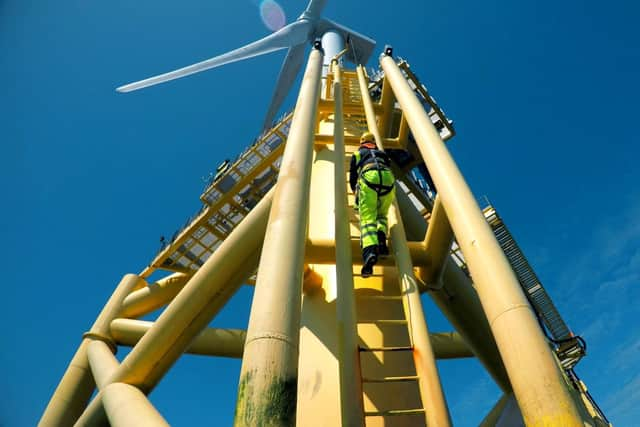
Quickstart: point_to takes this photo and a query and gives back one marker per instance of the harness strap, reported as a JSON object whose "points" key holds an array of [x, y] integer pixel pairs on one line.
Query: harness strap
{"points": [[373, 162], [380, 189]]}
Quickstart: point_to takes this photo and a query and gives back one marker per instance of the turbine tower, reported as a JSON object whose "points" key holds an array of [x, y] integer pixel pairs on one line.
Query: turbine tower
{"points": [[325, 346]]}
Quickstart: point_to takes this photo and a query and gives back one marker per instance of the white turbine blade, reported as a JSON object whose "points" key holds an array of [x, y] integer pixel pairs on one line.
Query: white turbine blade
{"points": [[314, 8], [288, 72], [293, 34]]}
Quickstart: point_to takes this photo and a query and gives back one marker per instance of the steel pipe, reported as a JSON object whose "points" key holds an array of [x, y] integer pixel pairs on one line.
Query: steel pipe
{"points": [[102, 361], [449, 345], [74, 391], [435, 405], [540, 389], [126, 406], [209, 342], [268, 377], [351, 406], [491, 419], [144, 301], [230, 342], [437, 243], [191, 310]]}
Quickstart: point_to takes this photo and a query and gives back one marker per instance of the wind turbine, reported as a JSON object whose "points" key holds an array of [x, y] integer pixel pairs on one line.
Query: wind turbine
{"points": [[294, 36]]}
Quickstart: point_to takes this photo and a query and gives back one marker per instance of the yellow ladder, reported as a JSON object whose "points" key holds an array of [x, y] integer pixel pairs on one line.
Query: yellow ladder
{"points": [[391, 392]]}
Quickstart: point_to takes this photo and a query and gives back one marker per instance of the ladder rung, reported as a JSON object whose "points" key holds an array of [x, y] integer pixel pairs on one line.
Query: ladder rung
{"points": [[380, 297], [385, 321], [394, 412], [391, 379], [401, 348]]}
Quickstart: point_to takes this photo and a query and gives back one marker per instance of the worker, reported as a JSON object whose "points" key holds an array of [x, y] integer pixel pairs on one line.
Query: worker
{"points": [[372, 181]]}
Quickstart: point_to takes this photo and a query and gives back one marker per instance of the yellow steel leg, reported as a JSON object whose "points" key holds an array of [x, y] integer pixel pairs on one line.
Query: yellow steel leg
{"points": [[191, 310], [457, 300], [537, 380], [268, 378], [77, 384], [102, 361], [352, 409], [126, 406]]}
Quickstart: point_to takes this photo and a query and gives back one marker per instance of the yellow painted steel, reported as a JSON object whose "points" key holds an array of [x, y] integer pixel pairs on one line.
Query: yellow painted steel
{"points": [[208, 218], [386, 102], [94, 415], [353, 140], [459, 302], [369, 110], [230, 342], [102, 361], [144, 301], [449, 345], [322, 251], [72, 394], [433, 400], [268, 377], [351, 406], [126, 406], [457, 299], [494, 415], [535, 376], [311, 312], [318, 396], [435, 405], [192, 309], [437, 244], [415, 224], [378, 299], [210, 342]]}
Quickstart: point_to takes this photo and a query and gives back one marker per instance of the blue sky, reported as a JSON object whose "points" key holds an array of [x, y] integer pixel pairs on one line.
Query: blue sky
{"points": [[543, 94]]}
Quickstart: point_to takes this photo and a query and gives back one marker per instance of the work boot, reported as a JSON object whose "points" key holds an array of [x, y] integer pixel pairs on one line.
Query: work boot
{"points": [[383, 249], [370, 256]]}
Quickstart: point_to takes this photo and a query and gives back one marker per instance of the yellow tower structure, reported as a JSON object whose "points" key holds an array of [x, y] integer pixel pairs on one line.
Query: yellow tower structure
{"points": [[324, 346]]}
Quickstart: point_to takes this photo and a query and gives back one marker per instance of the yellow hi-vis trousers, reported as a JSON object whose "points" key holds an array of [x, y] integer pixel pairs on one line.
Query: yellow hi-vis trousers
{"points": [[373, 208]]}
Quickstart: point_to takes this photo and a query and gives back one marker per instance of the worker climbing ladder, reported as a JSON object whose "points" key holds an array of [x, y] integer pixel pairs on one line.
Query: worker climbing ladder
{"points": [[325, 346]]}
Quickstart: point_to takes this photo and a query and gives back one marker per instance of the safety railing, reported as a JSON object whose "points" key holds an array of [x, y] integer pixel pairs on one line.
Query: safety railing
{"points": [[228, 197]]}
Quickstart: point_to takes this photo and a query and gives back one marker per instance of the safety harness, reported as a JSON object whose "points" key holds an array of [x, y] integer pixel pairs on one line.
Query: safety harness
{"points": [[373, 159]]}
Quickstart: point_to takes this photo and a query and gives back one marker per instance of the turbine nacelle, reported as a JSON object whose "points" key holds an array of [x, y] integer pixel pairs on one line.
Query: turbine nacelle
{"points": [[294, 36]]}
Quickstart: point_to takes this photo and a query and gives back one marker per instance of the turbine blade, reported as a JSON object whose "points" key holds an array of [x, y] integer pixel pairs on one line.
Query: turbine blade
{"points": [[288, 72], [293, 34], [314, 9]]}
